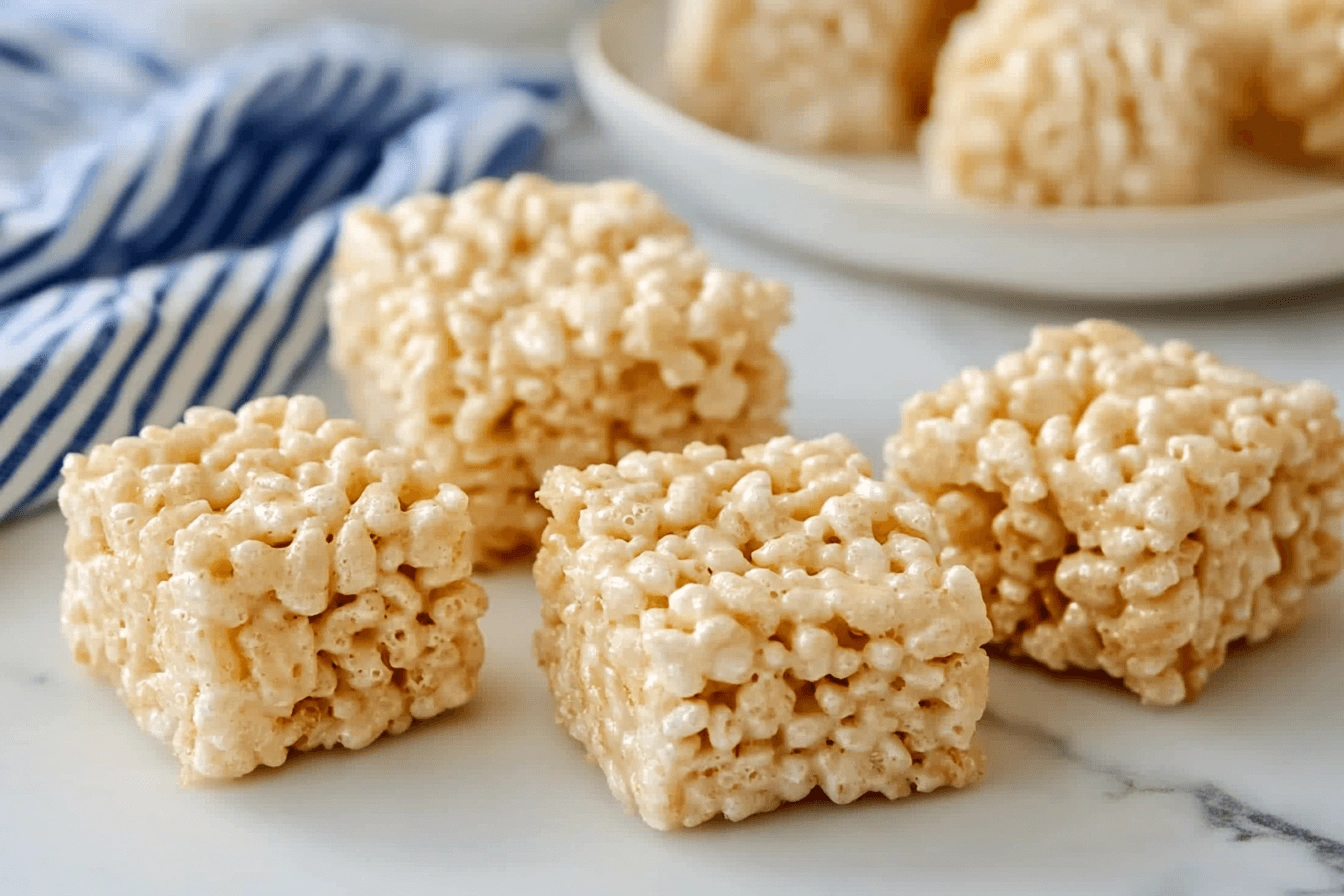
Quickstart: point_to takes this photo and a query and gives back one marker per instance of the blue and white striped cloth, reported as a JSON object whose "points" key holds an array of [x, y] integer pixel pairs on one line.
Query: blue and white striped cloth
{"points": [[174, 253]]}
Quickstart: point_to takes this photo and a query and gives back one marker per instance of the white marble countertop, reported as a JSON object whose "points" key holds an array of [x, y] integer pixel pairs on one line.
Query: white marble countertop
{"points": [[1086, 792]]}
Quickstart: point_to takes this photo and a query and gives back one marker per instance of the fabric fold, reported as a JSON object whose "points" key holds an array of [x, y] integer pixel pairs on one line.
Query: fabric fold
{"points": [[178, 257]]}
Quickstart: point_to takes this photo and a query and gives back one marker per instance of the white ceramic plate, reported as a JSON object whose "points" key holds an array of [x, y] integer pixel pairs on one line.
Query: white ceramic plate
{"points": [[1271, 227]]}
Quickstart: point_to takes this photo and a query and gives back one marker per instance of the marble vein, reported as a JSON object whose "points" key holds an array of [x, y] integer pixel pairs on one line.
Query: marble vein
{"points": [[1220, 810]]}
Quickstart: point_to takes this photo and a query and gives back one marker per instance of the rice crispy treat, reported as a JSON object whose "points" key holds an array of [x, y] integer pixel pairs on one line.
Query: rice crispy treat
{"points": [[1077, 103], [724, 636], [268, 581], [518, 325], [809, 75], [1303, 77], [1237, 43], [1128, 507]]}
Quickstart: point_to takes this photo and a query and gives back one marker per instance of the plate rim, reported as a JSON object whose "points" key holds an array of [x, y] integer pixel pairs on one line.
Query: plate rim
{"points": [[594, 67]]}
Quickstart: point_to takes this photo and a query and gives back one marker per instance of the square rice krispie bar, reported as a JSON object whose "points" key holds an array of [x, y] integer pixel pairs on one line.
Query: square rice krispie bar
{"points": [[1079, 103], [809, 75], [1129, 507], [724, 636], [268, 581], [515, 326]]}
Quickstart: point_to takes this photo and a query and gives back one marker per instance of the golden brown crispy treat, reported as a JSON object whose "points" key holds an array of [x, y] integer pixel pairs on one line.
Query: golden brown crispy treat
{"points": [[724, 636], [1236, 42], [1128, 507], [1302, 79], [809, 75], [515, 326], [1077, 103], [268, 581]]}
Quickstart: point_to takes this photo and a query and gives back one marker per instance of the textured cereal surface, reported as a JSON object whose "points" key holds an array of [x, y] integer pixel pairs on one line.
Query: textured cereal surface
{"points": [[809, 75], [1303, 76], [268, 581], [518, 325], [1077, 103], [724, 636], [1129, 507], [1237, 43]]}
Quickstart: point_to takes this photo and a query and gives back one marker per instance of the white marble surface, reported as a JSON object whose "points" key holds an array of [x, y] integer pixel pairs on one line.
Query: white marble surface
{"points": [[1087, 791]]}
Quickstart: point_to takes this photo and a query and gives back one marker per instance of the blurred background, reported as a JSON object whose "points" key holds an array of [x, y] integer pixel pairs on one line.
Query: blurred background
{"points": [[196, 28]]}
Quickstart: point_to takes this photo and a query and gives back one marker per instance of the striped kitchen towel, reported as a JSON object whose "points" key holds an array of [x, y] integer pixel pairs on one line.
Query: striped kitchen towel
{"points": [[172, 253]]}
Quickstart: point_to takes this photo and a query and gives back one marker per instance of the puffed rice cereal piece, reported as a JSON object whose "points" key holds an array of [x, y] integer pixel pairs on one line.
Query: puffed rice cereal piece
{"points": [[1128, 507], [809, 75], [1303, 76], [268, 581], [1076, 103], [724, 636], [515, 326]]}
